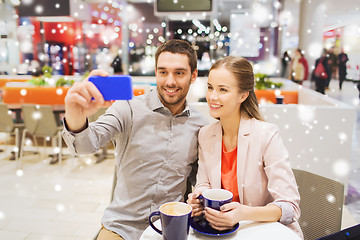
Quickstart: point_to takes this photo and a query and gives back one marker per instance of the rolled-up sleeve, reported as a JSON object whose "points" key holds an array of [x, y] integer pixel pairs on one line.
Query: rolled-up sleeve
{"points": [[100, 132], [287, 212], [72, 139]]}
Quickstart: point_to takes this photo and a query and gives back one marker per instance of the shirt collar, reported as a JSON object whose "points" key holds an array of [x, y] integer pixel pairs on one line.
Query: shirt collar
{"points": [[155, 104]]}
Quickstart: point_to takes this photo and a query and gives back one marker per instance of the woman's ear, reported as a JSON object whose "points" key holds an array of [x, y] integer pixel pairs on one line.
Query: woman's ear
{"points": [[243, 96]]}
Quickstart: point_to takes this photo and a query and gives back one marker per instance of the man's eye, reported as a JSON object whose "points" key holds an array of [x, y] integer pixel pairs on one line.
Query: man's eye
{"points": [[179, 73]]}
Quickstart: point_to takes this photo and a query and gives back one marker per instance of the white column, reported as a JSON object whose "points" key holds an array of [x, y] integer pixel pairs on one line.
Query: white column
{"points": [[7, 14], [125, 39], [312, 21]]}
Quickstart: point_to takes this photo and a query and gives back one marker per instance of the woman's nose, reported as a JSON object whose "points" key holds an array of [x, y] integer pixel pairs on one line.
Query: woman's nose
{"points": [[213, 95]]}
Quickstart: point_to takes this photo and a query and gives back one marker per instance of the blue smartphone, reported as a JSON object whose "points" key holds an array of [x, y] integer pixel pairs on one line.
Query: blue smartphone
{"points": [[115, 87]]}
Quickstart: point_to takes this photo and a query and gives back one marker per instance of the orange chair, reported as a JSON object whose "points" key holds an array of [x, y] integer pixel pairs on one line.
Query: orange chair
{"points": [[138, 91], [290, 97]]}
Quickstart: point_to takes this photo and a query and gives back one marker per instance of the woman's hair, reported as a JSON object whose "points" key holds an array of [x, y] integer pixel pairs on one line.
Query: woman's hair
{"points": [[243, 72], [300, 52], [180, 47]]}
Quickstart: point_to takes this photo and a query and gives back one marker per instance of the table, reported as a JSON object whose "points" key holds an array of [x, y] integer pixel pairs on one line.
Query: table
{"points": [[247, 230], [58, 110]]}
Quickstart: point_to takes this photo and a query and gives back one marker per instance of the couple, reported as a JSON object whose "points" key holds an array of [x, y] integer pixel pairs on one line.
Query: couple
{"points": [[156, 138]]}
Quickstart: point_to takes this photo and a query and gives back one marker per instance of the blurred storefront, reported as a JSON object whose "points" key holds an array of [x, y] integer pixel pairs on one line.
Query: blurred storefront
{"points": [[75, 36]]}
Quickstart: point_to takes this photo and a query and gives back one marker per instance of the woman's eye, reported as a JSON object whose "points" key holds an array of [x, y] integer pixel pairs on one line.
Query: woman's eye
{"points": [[223, 90], [209, 87]]}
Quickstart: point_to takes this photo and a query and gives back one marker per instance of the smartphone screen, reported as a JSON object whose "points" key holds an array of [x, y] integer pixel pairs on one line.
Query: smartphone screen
{"points": [[115, 87]]}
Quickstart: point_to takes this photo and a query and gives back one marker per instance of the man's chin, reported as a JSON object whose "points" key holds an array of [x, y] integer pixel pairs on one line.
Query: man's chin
{"points": [[171, 100]]}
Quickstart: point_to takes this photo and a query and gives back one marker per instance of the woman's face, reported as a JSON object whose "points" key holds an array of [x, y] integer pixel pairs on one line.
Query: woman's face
{"points": [[223, 95]]}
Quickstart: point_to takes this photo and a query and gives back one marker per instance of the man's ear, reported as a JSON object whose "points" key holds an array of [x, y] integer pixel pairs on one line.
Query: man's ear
{"points": [[194, 76]]}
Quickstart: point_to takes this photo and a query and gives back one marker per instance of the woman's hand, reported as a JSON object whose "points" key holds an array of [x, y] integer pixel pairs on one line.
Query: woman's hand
{"points": [[230, 214], [194, 202]]}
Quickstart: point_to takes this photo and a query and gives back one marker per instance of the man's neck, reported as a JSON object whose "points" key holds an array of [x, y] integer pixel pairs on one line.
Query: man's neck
{"points": [[176, 109]]}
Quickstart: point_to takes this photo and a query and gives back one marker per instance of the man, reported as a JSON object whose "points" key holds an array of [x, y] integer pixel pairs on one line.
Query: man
{"points": [[332, 64], [155, 135], [343, 58]]}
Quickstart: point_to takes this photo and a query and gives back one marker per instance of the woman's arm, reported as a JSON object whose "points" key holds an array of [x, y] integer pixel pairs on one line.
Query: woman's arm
{"points": [[202, 181], [202, 178], [235, 212], [281, 180]]}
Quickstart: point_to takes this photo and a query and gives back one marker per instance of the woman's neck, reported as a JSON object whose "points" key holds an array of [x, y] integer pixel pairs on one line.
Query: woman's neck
{"points": [[230, 128]]}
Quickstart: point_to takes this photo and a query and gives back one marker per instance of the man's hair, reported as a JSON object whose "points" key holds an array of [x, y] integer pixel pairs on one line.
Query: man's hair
{"points": [[180, 47]]}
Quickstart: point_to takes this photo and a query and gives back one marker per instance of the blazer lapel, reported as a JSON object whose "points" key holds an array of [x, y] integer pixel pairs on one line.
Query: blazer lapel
{"points": [[216, 168], [243, 147]]}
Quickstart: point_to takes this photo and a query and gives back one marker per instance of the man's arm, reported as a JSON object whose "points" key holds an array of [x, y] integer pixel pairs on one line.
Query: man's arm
{"points": [[82, 100]]}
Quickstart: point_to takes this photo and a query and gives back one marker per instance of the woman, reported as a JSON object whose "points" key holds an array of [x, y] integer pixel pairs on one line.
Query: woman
{"points": [[299, 67], [243, 154]]}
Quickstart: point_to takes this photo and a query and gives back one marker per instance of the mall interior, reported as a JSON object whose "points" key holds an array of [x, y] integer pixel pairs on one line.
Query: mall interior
{"points": [[45, 46]]}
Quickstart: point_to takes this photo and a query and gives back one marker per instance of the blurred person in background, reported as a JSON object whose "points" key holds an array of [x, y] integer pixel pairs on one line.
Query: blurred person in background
{"points": [[333, 65], [321, 81], [285, 65], [299, 68], [34, 68], [117, 65], [23, 68], [343, 58], [104, 60]]}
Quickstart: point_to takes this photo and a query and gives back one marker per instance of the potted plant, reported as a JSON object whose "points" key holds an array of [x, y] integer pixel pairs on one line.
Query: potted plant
{"points": [[263, 82]]}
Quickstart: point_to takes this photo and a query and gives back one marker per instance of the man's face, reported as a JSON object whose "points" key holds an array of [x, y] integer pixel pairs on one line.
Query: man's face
{"points": [[173, 79]]}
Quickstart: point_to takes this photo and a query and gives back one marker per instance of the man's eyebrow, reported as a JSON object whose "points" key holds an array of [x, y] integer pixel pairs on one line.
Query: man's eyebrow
{"points": [[178, 69]]}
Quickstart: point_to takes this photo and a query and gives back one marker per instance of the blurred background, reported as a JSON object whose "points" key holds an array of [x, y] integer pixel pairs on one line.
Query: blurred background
{"points": [[75, 36]]}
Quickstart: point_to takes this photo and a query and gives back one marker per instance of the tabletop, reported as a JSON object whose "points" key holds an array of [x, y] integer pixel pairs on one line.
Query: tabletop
{"points": [[247, 230]]}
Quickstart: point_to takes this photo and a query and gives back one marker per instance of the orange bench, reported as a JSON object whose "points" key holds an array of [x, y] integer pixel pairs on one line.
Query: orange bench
{"points": [[35, 95], [290, 97], [4, 81], [41, 95]]}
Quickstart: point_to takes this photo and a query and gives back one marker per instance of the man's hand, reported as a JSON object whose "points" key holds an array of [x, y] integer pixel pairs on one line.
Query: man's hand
{"points": [[79, 102]]}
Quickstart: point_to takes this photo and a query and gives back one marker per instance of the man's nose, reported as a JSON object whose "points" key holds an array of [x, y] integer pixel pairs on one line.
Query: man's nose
{"points": [[170, 80]]}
